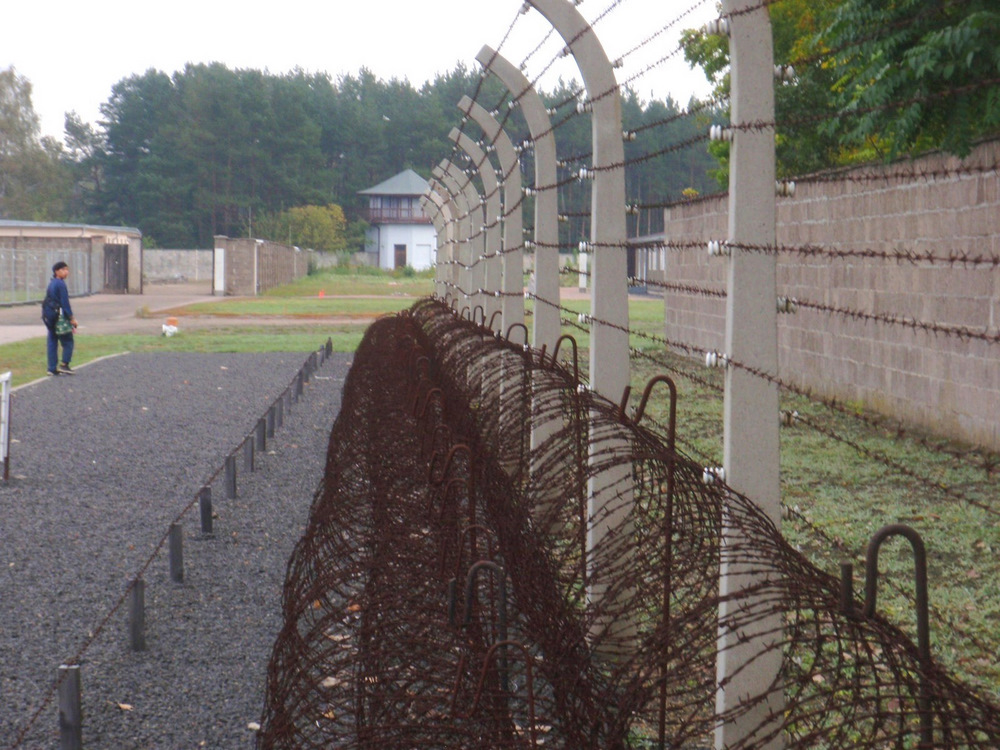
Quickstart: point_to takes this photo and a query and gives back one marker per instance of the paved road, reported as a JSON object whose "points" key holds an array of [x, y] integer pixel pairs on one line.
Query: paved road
{"points": [[107, 313]]}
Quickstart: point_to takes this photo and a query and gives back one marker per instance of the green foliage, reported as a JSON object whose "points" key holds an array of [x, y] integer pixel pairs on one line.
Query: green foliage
{"points": [[34, 184], [930, 80], [212, 151], [195, 155], [208, 150], [313, 227], [872, 80], [801, 145], [318, 227]]}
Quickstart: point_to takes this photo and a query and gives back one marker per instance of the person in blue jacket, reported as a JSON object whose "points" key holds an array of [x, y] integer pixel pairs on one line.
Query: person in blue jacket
{"points": [[56, 299]]}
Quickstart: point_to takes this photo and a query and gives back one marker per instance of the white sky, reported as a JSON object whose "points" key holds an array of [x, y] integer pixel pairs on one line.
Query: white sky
{"points": [[73, 52]]}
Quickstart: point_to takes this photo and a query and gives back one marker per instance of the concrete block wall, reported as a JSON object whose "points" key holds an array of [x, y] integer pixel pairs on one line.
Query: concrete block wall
{"points": [[254, 266], [948, 384], [280, 264], [176, 266]]}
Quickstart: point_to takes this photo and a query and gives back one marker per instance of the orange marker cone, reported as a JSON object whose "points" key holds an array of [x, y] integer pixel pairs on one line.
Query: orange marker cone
{"points": [[322, 294]]}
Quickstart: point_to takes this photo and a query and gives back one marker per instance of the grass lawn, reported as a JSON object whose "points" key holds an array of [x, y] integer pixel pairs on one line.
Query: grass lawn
{"points": [[300, 307], [27, 358], [353, 281], [841, 479]]}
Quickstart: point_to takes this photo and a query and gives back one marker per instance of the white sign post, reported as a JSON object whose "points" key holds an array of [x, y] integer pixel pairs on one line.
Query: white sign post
{"points": [[5, 380]]}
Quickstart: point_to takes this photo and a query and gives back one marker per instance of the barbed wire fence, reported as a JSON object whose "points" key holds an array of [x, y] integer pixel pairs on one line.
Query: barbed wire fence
{"points": [[439, 598], [616, 564]]}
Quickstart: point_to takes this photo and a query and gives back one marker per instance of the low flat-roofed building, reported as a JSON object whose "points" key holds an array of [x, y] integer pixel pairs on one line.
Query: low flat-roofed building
{"points": [[103, 258]]}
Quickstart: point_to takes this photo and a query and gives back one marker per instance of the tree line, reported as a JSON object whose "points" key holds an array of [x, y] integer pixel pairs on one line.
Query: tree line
{"points": [[210, 150]]}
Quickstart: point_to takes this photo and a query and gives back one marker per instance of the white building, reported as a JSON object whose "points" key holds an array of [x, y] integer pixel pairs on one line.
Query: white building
{"points": [[400, 233]]}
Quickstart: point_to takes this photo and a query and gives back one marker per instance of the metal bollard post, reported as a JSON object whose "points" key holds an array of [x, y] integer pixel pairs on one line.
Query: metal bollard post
{"points": [[261, 432], [279, 413], [230, 477], [270, 421], [137, 616], [70, 713], [176, 545], [248, 454], [205, 504]]}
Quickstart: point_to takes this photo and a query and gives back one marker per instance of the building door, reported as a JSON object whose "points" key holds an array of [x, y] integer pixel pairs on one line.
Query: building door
{"points": [[400, 255], [116, 269]]}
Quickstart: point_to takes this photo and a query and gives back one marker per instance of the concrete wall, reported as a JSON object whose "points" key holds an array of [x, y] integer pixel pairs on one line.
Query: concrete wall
{"points": [[176, 266], [254, 266], [330, 260], [135, 265], [946, 383]]}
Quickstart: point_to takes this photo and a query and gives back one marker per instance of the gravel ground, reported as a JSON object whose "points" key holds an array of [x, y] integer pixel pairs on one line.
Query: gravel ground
{"points": [[102, 464]]}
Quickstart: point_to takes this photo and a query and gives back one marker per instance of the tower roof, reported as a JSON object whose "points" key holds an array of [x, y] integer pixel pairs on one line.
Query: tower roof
{"points": [[406, 182]]}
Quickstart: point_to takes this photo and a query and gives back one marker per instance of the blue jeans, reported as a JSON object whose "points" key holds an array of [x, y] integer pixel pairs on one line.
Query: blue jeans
{"points": [[53, 348]]}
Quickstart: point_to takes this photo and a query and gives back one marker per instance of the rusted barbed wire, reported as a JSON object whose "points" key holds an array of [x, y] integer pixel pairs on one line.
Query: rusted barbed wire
{"points": [[952, 493], [433, 469], [962, 333]]}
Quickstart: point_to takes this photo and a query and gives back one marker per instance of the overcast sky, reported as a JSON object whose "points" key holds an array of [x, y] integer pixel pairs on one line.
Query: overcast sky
{"points": [[74, 52]]}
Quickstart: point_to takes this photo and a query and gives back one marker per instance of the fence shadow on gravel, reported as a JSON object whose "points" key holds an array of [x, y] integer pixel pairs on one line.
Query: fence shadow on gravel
{"points": [[453, 589]]}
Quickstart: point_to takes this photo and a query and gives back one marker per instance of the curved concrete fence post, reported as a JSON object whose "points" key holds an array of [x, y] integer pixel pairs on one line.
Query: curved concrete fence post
{"points": [[455, 181], [609, 353], [486, 276], [460, 223], [512, 240], [435, 206], [546, 323], [749, 637], [472, 222], [515, 415], [444, 273], [545, 320], [610, 490]]}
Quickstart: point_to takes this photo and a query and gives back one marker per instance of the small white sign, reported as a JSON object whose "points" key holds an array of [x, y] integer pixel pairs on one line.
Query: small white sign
{"points": [[5, 381]]}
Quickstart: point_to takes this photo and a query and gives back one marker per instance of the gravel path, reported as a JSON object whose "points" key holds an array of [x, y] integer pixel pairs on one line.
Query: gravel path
{"points": [[102, 464]]}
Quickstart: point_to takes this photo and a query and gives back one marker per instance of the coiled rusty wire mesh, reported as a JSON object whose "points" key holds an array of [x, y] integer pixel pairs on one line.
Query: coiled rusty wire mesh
{"points": [[453, 589]]}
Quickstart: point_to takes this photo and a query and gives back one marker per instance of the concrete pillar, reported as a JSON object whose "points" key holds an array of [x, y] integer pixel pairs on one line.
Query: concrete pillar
{"points": [[447, 254], [512, 241], [469, 220], [439, 209], [487, 275], [749, 656], [545, 320], [459, 274], [610, 489]]}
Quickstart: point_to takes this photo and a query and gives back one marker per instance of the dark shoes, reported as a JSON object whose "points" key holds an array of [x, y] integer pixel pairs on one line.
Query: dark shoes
{"points": [[65, 369], [52, 373]]}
